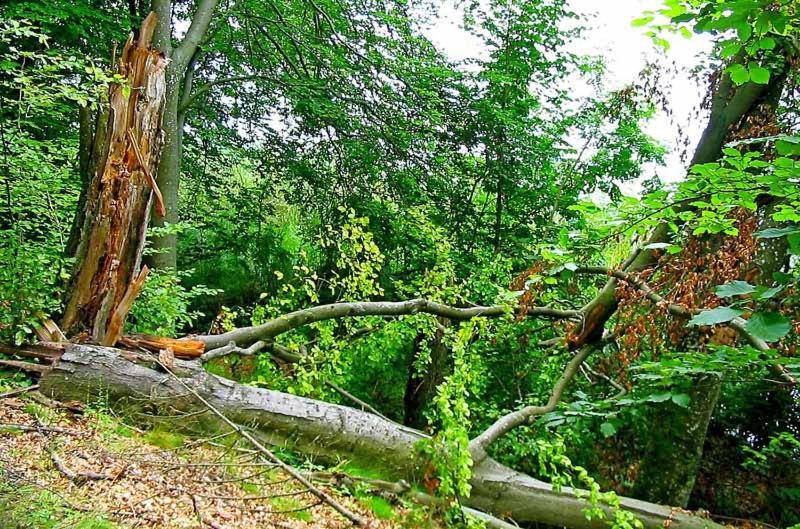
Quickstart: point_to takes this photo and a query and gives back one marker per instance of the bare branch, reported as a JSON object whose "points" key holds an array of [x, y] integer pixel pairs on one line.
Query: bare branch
{"points": [[293, 320], [197, 29]]}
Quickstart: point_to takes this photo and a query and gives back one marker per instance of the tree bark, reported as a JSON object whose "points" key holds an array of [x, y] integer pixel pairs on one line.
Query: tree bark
{"points": [[677, 436], [114, 216], [132, 382], [422, 385]]}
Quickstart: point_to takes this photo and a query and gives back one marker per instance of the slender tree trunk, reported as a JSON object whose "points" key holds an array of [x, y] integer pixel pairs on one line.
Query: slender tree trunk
{"points": [[165, 246], [132, 382], [422, 385], [179, 74], [113, 219]]}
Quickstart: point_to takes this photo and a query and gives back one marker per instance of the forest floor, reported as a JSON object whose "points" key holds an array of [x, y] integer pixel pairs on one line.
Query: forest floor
{"points": [[89, 470]]}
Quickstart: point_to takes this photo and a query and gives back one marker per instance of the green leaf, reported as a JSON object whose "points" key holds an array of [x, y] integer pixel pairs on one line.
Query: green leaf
{"points": [[730, 49], [759, 75], [681, 399], [774, 233], [744, 30], [734, 288], [767, 43], [739, 74], [608, 429], [659, 397], [733, 153], [767, 293], [769, 326], [715, 316], [643, 21]]}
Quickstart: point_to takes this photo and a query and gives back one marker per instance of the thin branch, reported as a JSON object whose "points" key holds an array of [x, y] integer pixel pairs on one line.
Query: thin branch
{"points": [[283, 353], [26, 366], [364, 405], [18, 391], [39, 429], [79, 478]]}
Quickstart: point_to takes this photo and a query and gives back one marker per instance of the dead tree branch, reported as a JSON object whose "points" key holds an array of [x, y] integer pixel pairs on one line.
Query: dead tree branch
{"points": [[294, 320]]}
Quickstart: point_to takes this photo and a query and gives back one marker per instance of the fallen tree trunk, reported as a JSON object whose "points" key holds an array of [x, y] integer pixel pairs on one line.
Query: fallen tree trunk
{"points": [[132, 382]]}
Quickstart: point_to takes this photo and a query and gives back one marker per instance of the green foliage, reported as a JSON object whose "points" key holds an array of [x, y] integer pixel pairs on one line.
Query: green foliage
{"points": [[556, 465], [356, 162], [163, 308], [39, 184], [448, 450], [43, 510], [751, 33], [380, 507]]}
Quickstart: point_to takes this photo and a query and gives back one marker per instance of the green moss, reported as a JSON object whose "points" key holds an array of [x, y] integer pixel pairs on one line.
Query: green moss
{"points": [[380, 507], [290, 507], [43, 510], [363, 472], [164, 439]]}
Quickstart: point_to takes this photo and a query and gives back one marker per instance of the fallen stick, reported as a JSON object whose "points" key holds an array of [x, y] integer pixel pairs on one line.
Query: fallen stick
{"points": [[79, 478], [39, 429], [18, 391], [25, 366]]}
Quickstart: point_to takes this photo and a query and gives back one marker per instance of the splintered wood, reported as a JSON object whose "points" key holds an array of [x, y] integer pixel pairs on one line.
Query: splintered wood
{"points": [[108, 272]]}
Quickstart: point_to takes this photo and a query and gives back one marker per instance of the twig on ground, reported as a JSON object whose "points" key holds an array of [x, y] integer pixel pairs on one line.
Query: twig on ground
{"points": [[39, 429], [79, 478], [18, 391]]}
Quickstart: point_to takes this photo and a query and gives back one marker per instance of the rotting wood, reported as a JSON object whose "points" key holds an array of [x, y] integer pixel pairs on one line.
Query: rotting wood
{"points": [[108, 271], [183, 348]]}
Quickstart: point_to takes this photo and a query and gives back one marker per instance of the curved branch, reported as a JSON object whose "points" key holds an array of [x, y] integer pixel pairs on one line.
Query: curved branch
{"points": [[526, 415], [293, 320], [197, 29]]}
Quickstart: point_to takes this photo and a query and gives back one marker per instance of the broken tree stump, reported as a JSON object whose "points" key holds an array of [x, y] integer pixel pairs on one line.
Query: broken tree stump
{"points": [[108, 273]]}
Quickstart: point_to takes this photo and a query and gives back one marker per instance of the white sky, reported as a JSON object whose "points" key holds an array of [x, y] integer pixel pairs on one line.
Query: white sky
{"points": [[626, 50]]}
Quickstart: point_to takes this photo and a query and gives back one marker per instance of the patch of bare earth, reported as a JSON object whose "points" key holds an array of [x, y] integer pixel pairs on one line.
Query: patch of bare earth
{"points": [[95, 466]]}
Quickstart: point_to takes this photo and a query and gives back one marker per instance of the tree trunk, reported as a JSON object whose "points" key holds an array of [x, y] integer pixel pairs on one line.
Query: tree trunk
{"points": [[113, 220], [677, 437], [166, 246], [421, 386], [132, 382]]}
